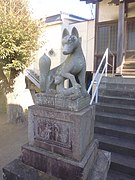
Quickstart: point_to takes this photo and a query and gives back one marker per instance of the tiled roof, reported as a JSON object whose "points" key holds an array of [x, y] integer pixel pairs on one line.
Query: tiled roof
{"points": [[59, 17], [91, 1], [109, 1], [53, 18]]}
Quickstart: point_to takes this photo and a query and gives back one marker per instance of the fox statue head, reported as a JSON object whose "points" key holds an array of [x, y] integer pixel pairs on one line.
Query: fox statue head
{"points": [[70, 42]]}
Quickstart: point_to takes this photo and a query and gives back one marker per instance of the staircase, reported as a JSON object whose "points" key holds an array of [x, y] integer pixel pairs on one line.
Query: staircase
{"points": [[115, 125], [129, 67]]}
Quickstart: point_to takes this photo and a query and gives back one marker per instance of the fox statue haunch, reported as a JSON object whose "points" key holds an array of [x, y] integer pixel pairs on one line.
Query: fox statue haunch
{"points": [[74, 66]]}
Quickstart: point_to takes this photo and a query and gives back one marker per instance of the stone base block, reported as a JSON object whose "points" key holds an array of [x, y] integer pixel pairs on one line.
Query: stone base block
{"points": [[63, 132], [59, 166], [16, 170], [61, 102], [101, 166], [20, 171]]}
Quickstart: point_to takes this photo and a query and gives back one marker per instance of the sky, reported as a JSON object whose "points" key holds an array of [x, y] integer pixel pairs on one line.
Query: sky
{"points": [[43, 8]]}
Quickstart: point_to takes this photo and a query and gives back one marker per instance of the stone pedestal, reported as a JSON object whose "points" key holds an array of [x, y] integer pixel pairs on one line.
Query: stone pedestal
{"points": [[61, 102], [61, 142]]}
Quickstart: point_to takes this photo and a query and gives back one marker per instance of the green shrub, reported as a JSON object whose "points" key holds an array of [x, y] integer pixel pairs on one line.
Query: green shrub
{"points": [[18, 39]]}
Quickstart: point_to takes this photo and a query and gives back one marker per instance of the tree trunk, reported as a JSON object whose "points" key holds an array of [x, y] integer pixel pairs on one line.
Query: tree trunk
{"points": [[4, 79]]}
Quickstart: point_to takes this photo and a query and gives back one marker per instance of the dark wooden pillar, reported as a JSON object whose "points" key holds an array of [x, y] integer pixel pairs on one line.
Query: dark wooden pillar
{"points": [[96, 36], [120, 38]]}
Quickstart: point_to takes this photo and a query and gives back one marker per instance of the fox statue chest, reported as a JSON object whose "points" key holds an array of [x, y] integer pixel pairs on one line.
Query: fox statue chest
{"points": [[73, 64]]}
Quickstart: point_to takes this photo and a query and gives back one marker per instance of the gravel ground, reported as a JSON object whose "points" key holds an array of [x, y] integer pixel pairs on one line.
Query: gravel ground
{"points": [[12, 137]]}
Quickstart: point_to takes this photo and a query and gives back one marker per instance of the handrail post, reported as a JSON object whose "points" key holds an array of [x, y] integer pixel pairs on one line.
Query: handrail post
{"points": [[113, 65], [98, 76], [106, 63], [96, 96]]}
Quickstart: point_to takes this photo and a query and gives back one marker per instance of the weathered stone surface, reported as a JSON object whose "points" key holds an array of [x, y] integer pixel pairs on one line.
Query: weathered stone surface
{"points": [[101, 166], [60, 166], [45, 99], [72, 105], [16, 170], [73, 67], [98, 171], [65, 132], [62, 102], [61, 145]]}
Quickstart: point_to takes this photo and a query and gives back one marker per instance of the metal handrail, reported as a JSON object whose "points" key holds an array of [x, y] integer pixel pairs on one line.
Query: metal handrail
{"points": [[98, 76], [30, 74]]}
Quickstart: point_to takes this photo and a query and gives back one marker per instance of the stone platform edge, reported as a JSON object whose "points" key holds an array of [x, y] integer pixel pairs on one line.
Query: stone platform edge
{"points": [[59, 166], [62, 102], [20, 171]]}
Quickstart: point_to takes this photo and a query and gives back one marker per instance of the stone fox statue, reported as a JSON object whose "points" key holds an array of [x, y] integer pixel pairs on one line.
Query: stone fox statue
{"points": [[74, 66]]}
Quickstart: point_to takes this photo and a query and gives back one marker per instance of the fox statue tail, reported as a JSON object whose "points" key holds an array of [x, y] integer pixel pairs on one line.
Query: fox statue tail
{"points": [[44, 67]]}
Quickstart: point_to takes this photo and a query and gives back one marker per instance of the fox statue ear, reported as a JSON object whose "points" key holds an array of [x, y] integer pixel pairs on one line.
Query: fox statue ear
{"points": [[75, 32], [65, 33]]}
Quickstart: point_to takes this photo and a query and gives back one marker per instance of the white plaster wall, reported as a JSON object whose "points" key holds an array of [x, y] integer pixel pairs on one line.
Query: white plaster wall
{"points": [[90, 45], [107, 12], [52, 37], [67, 26], [20, 95], [86, 31], [110, 12], [131, 10]]}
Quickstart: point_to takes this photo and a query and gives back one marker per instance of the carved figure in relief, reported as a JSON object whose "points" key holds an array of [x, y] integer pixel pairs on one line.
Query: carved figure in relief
{"points": [[53, 132], [74, 66], [65, 135], [56, 132], [45, 131]]}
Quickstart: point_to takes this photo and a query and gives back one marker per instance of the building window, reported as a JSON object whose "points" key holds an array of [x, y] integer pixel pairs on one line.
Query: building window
{"points": [[107, 38], [131, 35], [102, 43]]}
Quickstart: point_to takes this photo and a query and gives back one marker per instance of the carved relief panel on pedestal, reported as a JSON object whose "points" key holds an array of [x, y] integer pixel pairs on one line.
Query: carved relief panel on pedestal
{"points": [[50, 131]]}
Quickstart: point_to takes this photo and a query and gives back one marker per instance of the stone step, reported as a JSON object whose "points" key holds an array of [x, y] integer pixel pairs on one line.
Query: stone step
{"points": [[127, 93], [117, 100], [116, 119], [115, 130], [125, 164], [128, 70], [118, 80], [116, 175], [115, 123], [119, 86], [117, 145], [17, 170], [115, 108], [128, 74], [129, 66], [129, 60]]}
